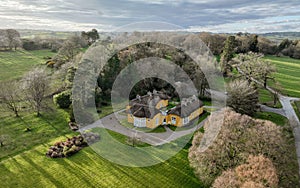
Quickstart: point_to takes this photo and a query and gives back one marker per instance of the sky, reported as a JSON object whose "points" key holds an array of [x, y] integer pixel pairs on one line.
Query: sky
{"points": [[218, 16]]}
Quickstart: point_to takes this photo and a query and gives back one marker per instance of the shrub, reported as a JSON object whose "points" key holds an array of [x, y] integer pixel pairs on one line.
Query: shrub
{"points": [[239, 137], [63, 99], [72, 145], [257, 172]]}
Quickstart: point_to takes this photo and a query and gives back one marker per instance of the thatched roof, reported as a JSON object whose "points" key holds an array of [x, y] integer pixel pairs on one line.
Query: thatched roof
{"points": [[186, 107]]}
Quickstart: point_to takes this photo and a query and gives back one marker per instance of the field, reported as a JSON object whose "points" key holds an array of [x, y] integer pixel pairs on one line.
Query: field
{"points": [[275, 118], [87, 169], [288, 74], [42, 128], [15, 63]]}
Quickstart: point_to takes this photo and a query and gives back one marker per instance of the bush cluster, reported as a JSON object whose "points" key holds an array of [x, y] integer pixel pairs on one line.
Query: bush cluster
{"points": [[63, 99], [72, 145]]}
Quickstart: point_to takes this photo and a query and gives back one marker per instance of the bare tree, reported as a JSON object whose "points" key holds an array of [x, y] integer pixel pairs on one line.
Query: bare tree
{"points": [[10, 96], [13, 37], [66, 53], [36, 86], [242, 97], [253, 66]]}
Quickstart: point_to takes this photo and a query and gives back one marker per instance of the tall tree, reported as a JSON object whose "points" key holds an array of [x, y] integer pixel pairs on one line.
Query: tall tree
{"points": [[10, 96], [13, 37], [227, 54], [36, 86], [253, 43]]}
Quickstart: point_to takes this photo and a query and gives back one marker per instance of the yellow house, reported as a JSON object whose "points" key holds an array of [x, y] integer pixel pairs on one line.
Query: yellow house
{"points": [[148, 111], [184, 113]]}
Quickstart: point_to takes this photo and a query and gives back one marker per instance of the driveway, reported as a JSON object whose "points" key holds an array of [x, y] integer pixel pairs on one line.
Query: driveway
{"points": [[112, 123]]}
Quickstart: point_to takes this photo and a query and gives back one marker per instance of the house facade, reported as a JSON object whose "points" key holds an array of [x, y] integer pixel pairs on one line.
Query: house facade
{"points": [[151, 111]]}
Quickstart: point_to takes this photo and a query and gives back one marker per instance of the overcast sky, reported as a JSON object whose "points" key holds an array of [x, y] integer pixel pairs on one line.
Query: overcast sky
{"points": [[193, 15]]}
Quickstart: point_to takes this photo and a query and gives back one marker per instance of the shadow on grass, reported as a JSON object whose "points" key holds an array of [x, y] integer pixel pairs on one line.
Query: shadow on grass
{"points": [[45, 174]]}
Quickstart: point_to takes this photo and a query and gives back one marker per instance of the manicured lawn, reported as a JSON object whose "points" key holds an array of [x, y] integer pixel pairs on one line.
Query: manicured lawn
{"points": [[87, 169], [15, 63], [52, 124], [288, 71], [267, 98], [275, 118]]}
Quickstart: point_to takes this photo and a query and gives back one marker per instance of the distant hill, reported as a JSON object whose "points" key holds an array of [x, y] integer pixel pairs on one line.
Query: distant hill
{"points": [[279, 36]]}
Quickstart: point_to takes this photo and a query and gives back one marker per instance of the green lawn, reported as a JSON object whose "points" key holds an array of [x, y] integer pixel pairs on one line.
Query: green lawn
{"points": [[275, 118], [87, 169], [267, 98], [15, 63], [52, 124], [288, 74]]}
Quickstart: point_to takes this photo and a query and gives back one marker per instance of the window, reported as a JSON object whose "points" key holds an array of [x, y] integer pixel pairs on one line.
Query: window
{"points": [[140, 122], [173, 120], [157, 121], [186, 120]]}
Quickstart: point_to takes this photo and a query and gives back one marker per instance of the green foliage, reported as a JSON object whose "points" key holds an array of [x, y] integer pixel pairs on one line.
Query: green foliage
{"points": [[63, 99], [253, 43], [228, 54]]}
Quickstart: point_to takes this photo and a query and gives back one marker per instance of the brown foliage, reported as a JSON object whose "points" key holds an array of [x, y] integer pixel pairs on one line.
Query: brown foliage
{"points": [[239, 137], [257, 172]]}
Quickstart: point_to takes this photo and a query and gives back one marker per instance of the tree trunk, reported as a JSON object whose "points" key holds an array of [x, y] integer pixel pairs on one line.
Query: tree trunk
{"points": [[1, 144]]}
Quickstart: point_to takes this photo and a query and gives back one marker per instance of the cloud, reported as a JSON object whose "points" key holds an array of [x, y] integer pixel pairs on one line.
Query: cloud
{"points": [[193, 15]]}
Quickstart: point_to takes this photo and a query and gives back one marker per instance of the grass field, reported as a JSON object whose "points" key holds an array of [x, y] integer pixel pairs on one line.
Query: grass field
{"points": [[288, 74], [87, 169], [275, 118], [52, 124], [267, 98], [15, 63]]}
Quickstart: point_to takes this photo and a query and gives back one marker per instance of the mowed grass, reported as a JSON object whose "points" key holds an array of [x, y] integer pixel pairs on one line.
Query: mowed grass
{"points": [[288, 74], [275, 118], [14, 64], [87, 169], [267, 98], [51, 124]]}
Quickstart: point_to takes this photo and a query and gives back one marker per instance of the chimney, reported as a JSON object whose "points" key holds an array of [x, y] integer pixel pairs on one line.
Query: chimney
{"points": [[138, 97]]}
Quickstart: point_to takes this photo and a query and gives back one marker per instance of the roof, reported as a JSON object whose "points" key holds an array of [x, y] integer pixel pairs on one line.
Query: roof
{"points": [[150, 99], [143, 111], [186, 107]]}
